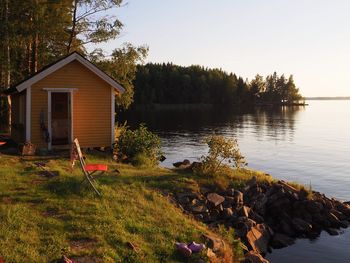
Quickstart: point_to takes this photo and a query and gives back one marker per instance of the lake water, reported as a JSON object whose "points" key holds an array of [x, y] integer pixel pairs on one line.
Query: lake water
{"points": [[309, 145]]}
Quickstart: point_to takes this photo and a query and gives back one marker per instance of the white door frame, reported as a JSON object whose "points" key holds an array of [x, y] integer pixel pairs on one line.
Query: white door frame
{"points": [[49, 113]]}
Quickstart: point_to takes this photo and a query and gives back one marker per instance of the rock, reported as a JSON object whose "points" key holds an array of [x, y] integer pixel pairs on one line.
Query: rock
{"points": [[280, 240], [229, 202], [258, 238], [243, 225], [286, 228], [227, 213], [230, 192], [244, 211], [314, 207], [256, 217], [253, 257], [344, 223], [211, 255], [184, 200], [185, 162], [238, 197], [214, 243], [333, 219], [301, 225], [199, 209], [332, 231], [215, 199]]}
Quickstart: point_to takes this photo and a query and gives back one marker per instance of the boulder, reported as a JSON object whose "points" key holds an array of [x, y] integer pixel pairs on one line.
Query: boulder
{"points": [[280, 240], [214, 243], [314, 207], [227, 213], [332, 231], [238, 198], [198, 209], [253, 257], [214, 199], [244, 211], [301, 226], [230, 192], [258, 238]]}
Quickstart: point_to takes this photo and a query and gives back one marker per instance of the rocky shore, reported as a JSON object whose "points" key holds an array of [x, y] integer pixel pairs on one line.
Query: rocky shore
{"points": [[267, 215]]}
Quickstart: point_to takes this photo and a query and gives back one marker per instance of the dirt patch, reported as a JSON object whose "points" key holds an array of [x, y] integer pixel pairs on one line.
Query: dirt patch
{"points": [[82, 244], [37, 181], [48, 174], [7, 200]]}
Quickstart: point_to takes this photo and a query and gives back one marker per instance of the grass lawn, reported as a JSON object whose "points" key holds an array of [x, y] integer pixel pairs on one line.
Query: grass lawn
{"points": [[43, 218]]}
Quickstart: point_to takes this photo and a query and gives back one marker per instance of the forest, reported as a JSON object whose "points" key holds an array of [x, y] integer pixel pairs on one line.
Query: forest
{"points": [[172, 84]]}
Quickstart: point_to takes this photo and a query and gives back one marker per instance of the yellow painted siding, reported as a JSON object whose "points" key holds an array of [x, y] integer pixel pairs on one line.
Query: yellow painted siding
{"points": [[91, 105]]}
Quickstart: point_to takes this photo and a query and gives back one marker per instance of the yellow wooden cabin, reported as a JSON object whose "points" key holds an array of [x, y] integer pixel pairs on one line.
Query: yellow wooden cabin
{"points": [[68, 99]]}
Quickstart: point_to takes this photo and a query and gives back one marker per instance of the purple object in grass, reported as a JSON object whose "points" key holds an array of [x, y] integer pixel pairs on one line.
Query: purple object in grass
{"points": [[184, 250], [196, 248]]}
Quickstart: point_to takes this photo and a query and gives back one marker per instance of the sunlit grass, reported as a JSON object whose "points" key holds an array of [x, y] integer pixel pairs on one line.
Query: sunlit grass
{"points": [[42, 218]]}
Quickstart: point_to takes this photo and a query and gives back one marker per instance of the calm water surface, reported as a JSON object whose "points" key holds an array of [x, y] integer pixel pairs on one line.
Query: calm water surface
{"points": [[308, 145]]}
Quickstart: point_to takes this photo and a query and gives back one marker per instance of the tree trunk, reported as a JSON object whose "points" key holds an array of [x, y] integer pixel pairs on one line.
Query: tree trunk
{"points": [[8, 65], [74, 22], [34, 62]]}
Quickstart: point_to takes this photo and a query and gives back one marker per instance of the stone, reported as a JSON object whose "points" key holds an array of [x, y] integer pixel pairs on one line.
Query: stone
{"points": [[332, 231], [256, 217], [227, 213], [214, 243], [301, 225], [344, 223], [230, 192], [244, 211], [286, 228], [258, 238], [229, 202], [215, 199], [238, 197], [314, 207], [199, 209], [280, 240], [253, 257]]}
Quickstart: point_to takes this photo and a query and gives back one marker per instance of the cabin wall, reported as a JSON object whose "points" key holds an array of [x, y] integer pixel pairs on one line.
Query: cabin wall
{"points": [[18, 117], [91, 105]]}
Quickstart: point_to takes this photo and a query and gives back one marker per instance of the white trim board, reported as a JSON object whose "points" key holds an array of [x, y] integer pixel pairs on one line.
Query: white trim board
{"points": [[49, 112], [74, 56]]}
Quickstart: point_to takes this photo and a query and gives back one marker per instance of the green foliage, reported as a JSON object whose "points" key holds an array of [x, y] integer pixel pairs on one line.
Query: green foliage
{"points": [[122, 67], [139, 146], [222, 152], [172, 84]]}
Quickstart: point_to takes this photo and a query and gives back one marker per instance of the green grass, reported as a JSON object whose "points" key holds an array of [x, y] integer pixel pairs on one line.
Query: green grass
{"points": [[43, 218]]}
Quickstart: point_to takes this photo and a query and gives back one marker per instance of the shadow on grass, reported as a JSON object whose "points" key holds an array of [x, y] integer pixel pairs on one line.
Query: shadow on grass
{"points": [[64, 186]]}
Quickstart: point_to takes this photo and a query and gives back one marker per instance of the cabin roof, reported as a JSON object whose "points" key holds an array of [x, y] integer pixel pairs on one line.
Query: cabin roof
{"points": [[47, 70]]}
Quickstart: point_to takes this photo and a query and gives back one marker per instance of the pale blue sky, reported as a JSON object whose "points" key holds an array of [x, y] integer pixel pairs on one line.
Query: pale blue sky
{"points": [[307, 38]]}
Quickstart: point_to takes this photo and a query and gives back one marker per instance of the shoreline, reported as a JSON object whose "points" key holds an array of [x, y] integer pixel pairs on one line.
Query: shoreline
{"points": [[268, 214]]}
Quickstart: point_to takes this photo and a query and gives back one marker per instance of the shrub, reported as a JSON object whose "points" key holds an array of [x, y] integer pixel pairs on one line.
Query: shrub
{"points": [[222, 152], [140, 146]]}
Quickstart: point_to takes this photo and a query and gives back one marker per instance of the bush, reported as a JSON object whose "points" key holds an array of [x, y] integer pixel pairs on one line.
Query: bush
{"points": [[140, 146], [222, 152]]}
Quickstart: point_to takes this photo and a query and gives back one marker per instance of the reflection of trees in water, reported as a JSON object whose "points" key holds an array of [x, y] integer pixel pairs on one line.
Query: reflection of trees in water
{"points": [[276, 122]]}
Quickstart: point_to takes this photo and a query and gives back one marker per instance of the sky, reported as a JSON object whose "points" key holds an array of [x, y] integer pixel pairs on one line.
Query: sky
{"points": [[307, 38]]}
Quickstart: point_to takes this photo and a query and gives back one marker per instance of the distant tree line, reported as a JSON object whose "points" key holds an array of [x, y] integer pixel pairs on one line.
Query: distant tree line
{"points": [[172, 84]]}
